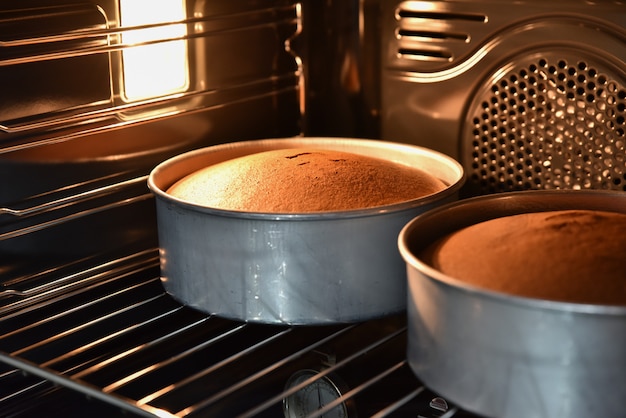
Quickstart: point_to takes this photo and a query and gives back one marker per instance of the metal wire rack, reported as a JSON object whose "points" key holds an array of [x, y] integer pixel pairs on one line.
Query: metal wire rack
{"points": [[110, 334]]}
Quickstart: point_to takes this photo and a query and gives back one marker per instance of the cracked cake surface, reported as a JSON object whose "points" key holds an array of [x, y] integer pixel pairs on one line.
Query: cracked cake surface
{"points": [[304, 180]]}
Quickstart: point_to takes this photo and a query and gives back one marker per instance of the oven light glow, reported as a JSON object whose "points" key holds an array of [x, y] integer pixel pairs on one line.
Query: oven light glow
{"points": [[154, 69]]}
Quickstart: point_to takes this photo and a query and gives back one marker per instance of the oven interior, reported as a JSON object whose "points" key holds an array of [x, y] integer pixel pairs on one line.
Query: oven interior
{"points": [[85, 325]]}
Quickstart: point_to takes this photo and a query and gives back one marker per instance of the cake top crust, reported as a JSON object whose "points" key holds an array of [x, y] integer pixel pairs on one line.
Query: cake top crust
{"points": [[300, 180], [568, 255]]}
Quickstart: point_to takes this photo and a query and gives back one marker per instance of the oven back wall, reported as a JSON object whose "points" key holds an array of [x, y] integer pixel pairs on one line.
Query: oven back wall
{"points": [[526, 95]]}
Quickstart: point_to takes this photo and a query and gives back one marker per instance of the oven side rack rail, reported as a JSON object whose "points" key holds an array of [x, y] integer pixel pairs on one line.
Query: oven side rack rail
{"points": [[79, 65]]}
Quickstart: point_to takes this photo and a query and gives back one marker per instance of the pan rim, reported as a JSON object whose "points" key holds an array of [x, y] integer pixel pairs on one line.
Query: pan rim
{"points": [[320, 142]]}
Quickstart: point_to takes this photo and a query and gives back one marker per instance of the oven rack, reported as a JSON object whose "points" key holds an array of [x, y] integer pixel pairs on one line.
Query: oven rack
{"points": [[107, 194], [90, 39], [125, 115], [114, 338]]}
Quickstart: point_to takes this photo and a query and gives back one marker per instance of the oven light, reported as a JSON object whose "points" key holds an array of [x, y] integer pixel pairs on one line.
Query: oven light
{"points": [[153, 69]]}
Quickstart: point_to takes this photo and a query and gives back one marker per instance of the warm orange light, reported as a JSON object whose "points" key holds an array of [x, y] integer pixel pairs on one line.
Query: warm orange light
{"points": [[155, 69]]}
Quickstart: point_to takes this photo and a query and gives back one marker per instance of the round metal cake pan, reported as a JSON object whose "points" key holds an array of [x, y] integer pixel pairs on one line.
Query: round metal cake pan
{"points": [[297, 269], [508, 356]]}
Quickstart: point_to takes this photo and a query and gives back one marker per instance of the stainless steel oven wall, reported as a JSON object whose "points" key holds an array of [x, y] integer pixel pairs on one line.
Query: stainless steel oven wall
{"points": [[526, 94], [76, 150], [340, 50]]}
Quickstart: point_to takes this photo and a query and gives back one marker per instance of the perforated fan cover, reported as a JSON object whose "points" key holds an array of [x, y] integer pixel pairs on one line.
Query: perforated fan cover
{"points": [[547, 121]]}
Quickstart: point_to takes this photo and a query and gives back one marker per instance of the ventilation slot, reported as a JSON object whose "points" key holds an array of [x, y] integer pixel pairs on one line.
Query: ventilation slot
{"points": [[428, 35], [425, 55], [437, 37], [420, 14]]}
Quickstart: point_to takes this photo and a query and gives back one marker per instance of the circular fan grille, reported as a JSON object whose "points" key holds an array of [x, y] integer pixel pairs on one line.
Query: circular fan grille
{"points": [[552, 124]]}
